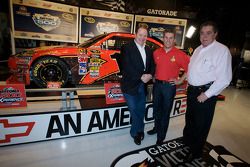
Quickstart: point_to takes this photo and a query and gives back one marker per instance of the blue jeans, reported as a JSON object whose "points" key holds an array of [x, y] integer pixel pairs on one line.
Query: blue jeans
{"points": [[136, 105], [163, 98]]}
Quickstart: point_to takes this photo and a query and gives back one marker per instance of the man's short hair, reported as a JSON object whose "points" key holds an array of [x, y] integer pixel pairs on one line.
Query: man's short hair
{"points": [[210, 23], [141, 25], [169, 30]]}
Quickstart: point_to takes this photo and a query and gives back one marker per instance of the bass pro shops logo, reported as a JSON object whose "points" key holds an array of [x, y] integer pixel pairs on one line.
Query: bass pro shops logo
{"points": [[46, 21], [14, 130]]}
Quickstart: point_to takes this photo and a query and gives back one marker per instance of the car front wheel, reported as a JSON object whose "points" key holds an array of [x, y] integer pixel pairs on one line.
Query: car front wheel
{"points": [[49, 69]]}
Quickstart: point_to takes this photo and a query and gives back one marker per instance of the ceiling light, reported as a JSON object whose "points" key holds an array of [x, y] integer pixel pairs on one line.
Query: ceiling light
{"points": [[190, 32]]}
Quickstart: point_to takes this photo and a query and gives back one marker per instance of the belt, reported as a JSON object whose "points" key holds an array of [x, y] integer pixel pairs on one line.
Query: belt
{"points": [[206, 86], [164, 82]]}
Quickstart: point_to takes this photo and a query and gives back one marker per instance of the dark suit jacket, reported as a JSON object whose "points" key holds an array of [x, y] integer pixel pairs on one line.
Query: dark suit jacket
{"points": [[133, 67]]}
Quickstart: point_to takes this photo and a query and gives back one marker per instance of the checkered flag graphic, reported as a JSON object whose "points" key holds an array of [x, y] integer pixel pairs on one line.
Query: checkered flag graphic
{"points": [[116, 5], [225, 158]]}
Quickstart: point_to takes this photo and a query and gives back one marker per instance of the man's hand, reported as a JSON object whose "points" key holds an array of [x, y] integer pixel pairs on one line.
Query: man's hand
{"points": [[202, 97], [180, 80], [177, 81], [146, 77]]}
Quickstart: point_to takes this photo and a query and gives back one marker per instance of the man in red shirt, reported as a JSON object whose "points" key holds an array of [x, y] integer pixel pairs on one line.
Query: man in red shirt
{"points": [[169, 61]]}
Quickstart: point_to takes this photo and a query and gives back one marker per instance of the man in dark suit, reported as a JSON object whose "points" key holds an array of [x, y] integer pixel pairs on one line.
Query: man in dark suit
{"points": [[137, 70]]}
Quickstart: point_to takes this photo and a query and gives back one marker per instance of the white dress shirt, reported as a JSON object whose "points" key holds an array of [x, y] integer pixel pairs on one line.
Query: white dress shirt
{"points": [[211, 64], [143, 53]]}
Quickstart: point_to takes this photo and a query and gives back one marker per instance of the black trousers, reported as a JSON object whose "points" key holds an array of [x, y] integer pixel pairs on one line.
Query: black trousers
{"points": [[198, 119]]}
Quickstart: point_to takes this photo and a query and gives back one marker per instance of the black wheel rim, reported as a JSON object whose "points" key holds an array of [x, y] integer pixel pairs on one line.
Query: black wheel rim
{"points": [[51, 72]]}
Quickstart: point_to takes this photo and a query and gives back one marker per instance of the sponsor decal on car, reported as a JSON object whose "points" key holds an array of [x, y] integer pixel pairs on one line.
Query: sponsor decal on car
{"points": [[94, 65]]}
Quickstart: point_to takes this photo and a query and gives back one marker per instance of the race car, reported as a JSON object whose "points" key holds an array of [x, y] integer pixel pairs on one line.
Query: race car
{"points": [[95, 60]]}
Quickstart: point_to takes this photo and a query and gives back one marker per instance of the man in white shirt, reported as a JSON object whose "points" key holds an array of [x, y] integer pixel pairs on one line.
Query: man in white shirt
{"points": [[209, 72]]}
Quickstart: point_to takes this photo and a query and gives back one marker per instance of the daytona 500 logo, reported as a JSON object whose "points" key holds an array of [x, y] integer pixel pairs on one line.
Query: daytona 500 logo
{"points": [[46, 21]]}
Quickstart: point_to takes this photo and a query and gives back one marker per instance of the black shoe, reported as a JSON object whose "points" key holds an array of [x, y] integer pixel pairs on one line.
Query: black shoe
{"points": [[137, 139], [152, 131], [159, 142], [141, 134]]}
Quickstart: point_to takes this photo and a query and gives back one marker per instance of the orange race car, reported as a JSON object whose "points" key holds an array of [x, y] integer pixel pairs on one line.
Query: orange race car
{"points": [[95, 60]]}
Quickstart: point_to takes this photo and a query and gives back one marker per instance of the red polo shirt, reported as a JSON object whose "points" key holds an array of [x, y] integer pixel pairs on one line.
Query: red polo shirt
{"points": [[168, 65]]}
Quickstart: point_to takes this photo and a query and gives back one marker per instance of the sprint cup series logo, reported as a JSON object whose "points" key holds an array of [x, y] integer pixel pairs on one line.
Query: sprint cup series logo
{"points": [[46, 21]]}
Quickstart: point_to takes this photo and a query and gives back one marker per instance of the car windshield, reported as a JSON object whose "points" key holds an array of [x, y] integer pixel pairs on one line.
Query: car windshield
{"points": [[91, 41]]}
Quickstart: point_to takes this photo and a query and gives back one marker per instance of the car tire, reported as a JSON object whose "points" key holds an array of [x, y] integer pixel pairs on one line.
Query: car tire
{"points": [[49, 69]]}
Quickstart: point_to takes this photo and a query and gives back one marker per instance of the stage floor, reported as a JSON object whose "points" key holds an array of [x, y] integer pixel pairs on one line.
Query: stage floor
{"points": [[231, 127]]}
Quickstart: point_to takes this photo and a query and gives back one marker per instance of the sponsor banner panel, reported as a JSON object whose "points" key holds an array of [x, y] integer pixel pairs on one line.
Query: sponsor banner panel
{"points": [[43, 20], [156, 26], [113, 93], [18, 129], [95, 22], [12, 95]]}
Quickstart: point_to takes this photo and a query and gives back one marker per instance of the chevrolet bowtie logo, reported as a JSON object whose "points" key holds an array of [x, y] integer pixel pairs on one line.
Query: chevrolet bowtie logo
{"points": [[12, 130]]}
